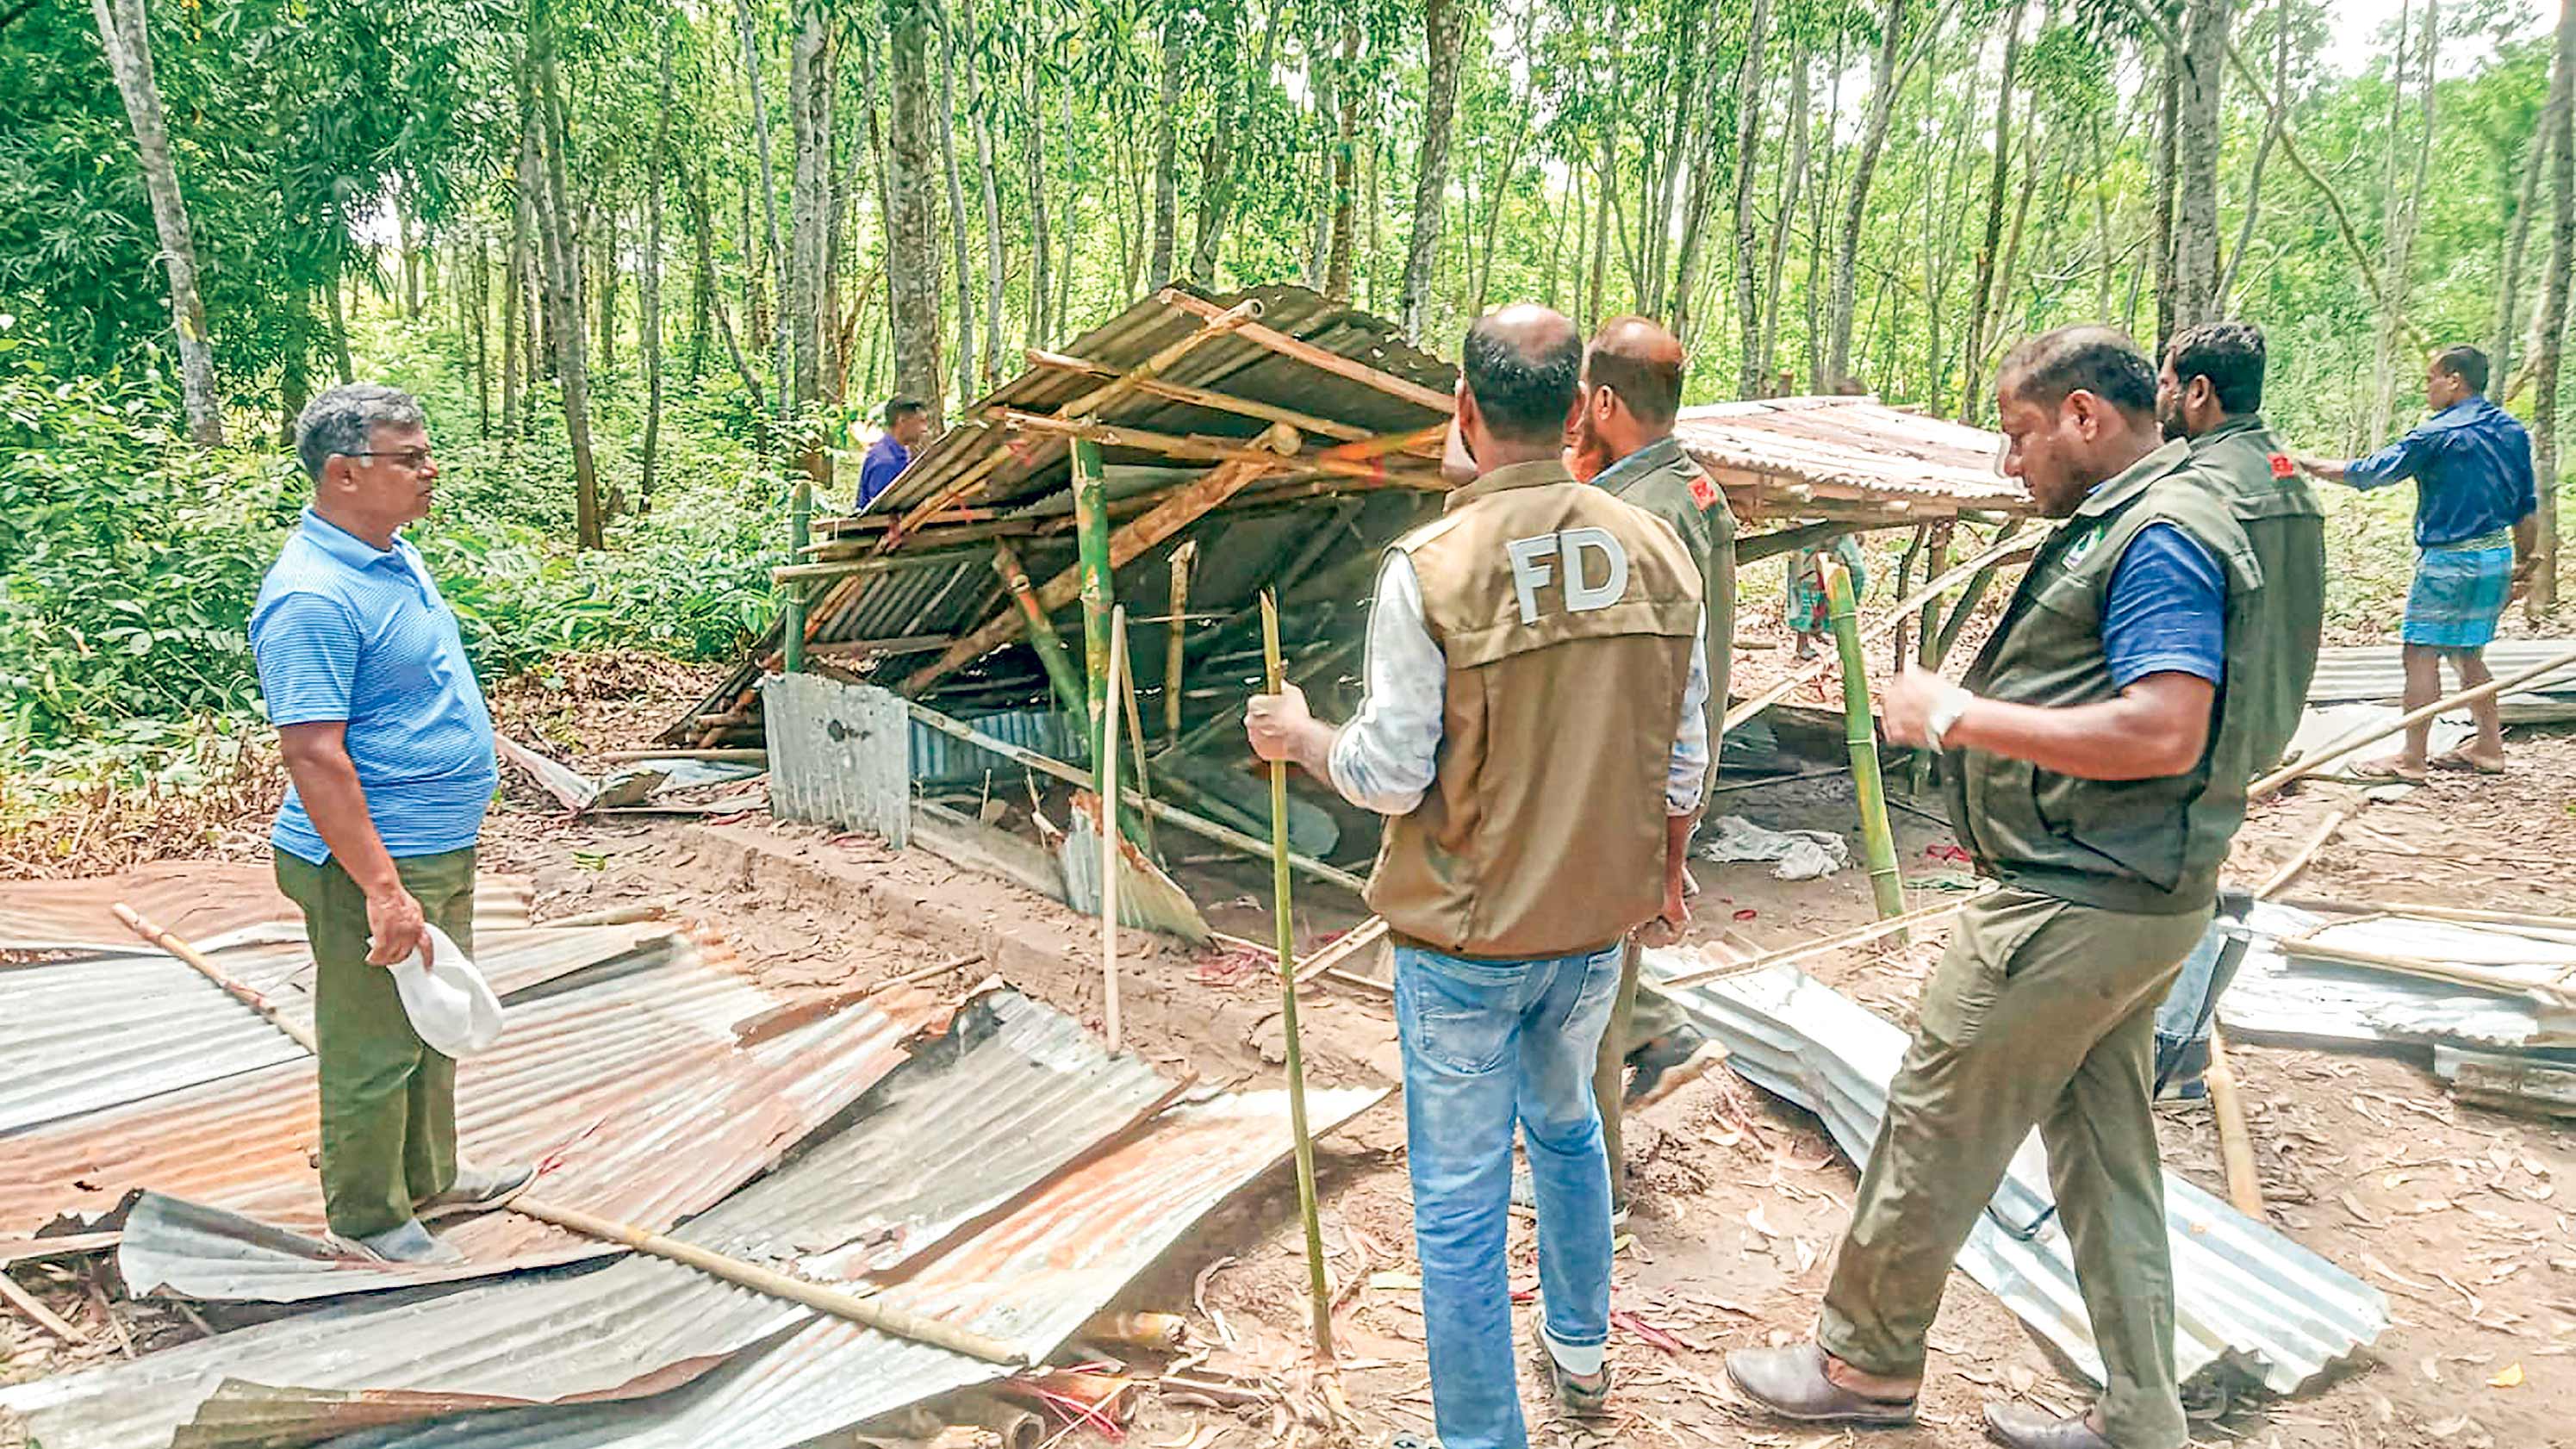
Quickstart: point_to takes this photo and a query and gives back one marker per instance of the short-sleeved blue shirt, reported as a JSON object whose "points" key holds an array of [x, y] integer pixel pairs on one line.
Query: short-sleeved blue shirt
{"points": [[347, 631], [2471, 463], [2167, 610]]}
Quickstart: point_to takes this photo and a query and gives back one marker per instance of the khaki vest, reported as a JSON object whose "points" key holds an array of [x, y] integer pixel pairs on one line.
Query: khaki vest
{"points": [[1565, 617], [2152, 847]]}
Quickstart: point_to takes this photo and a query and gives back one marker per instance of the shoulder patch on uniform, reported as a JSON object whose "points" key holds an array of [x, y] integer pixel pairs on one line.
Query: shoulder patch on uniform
{"points": [[1703, 492], [2282, 467]]}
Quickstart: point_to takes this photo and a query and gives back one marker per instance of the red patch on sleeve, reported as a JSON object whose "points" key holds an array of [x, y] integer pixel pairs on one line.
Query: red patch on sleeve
{"points": [[2282, 467], [1703, 492]]}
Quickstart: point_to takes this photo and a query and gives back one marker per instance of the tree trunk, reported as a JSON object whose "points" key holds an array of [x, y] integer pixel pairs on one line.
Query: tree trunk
{"points": [[2276, 115], [1684, 65], [1748, 158], [2561, 138], [1217, 183], [2165, 182], [1443, 31], [810, 325], [702, 282], [514, 286], [607, 289], [2517, 238], [768, 183], [992, 203], [956, 212], [1069, 223], [1040, 244], [1167, 125], [1793, 174], [565, 256], [1983, 295], [1886, 80], [648, 321], [912, 232], [124, 31], [2409, 218], [479, 297], [1337, 266], [1323, 83], [1816, 283]]}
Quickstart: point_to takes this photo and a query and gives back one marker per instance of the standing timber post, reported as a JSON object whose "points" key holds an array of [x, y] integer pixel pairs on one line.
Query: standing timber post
{"points": [[791, 617], [1860, 731], [1176, 638], [1099, 589]]}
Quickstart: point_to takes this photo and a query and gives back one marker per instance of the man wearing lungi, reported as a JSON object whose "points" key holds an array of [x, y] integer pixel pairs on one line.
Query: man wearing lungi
{"points": [[2477, 534]]}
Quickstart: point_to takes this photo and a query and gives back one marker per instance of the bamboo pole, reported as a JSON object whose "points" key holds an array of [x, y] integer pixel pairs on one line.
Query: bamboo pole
{"points": [[1195, 824], [1995, 557], [2455, 914], [2278, 778], [143, 926], [2298, 862], [2235, 1141], [2559, 997], [1862, 936], [729, 757], [1109, 860], [883, 1317], [1176, 638], [1860, 733], [1316, 357], [1040, 632], [43, 1317], [1135, 731], [1274, 674], [1091, 528]]}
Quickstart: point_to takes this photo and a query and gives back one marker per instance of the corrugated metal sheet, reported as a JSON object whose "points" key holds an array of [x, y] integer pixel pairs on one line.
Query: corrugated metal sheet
{"points": [[1012, 1095], [197, 900], [89, 1033], [939, 757], [605, 1081], [1780, 457], [2248, 1301], [839, 754], [2377, 672], [2310, 1000], [1148, 899]]}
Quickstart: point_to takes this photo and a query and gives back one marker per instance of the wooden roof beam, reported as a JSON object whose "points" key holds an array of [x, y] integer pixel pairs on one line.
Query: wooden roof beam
{"points": [[1203, 397], [1216, 324], [1313, 356]]}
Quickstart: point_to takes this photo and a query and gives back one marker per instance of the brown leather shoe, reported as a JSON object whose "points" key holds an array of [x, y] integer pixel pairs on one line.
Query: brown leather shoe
{"points": [[1791, 1382], [2023, 1427]]}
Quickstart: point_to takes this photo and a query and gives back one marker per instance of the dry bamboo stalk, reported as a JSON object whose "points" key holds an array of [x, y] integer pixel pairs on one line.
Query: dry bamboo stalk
{"points": [[1860, 937], [2454, 973], [2300, 861], [1109, 861], [1903, 611], [1316, 357], [142, 926], [2305, 768], [2235, 1142], [37, 1313], [1345, 946], [883, 1317]]}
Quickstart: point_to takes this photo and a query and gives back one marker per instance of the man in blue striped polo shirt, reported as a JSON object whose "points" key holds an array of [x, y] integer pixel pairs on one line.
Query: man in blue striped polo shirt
{"points": [[388, 749]]}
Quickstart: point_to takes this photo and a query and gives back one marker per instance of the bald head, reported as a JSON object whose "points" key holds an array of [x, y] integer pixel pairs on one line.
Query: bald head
{"points": [[1522, 365], [1640, 361]]}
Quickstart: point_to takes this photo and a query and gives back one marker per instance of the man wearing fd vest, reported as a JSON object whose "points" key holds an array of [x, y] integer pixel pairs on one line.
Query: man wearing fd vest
{"points": [[2098, 756], [1532, 730]]}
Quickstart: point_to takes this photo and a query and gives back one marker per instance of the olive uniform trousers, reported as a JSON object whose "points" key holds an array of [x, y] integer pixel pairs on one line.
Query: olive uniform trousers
{"points": [[2041, 1013], [388, 1100]]}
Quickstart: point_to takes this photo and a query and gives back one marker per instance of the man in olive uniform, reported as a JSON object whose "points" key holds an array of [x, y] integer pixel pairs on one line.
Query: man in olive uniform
{"points": [[2155, 654], [1532, 731], [2210, 392], [1623, 442]]}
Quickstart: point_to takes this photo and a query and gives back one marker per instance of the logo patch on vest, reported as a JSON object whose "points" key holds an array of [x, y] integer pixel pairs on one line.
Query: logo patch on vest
{"points": [[1703, 492], [2282, 467], [2083, 544], [1535, 561]]}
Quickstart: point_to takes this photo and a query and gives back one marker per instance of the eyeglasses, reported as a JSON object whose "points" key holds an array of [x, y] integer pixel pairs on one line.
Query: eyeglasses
{"points": [[414, 459]]}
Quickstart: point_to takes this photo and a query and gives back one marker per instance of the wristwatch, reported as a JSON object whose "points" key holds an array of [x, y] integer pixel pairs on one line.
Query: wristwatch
{"points": [[1946, 710]]}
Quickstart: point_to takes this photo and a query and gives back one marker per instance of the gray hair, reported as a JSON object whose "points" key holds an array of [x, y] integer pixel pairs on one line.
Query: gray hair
{"points": [[342, 421]]}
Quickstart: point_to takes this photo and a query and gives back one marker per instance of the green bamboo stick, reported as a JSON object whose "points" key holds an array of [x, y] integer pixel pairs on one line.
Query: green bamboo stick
{"points": [[1091, 529], [1860, 731], [1323, 1297]]}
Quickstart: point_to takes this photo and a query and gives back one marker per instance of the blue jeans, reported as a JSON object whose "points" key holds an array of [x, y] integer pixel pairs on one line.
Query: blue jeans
{"points": [[1488, 1043]]}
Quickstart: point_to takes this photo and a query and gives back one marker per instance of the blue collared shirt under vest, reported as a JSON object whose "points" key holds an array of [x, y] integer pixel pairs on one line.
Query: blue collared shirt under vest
{"points": [[2471, 463], [345, 630]]}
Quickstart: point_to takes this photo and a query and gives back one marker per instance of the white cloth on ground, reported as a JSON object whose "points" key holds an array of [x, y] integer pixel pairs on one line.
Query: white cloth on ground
{"points": [[1803, 854]]}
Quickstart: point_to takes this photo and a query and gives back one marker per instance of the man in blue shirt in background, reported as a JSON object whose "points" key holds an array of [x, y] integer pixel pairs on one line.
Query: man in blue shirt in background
{"points": [[2477, 536], [907, 424], [388, 748]]}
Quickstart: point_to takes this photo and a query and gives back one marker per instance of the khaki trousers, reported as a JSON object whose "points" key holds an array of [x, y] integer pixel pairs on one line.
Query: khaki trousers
{"points": [[1638, 1017], [388, 1101], [2042, 1013]]}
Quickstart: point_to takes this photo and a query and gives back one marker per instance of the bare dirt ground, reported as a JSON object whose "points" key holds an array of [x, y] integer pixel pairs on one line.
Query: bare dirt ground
{"points": [[2459, 1214]]}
